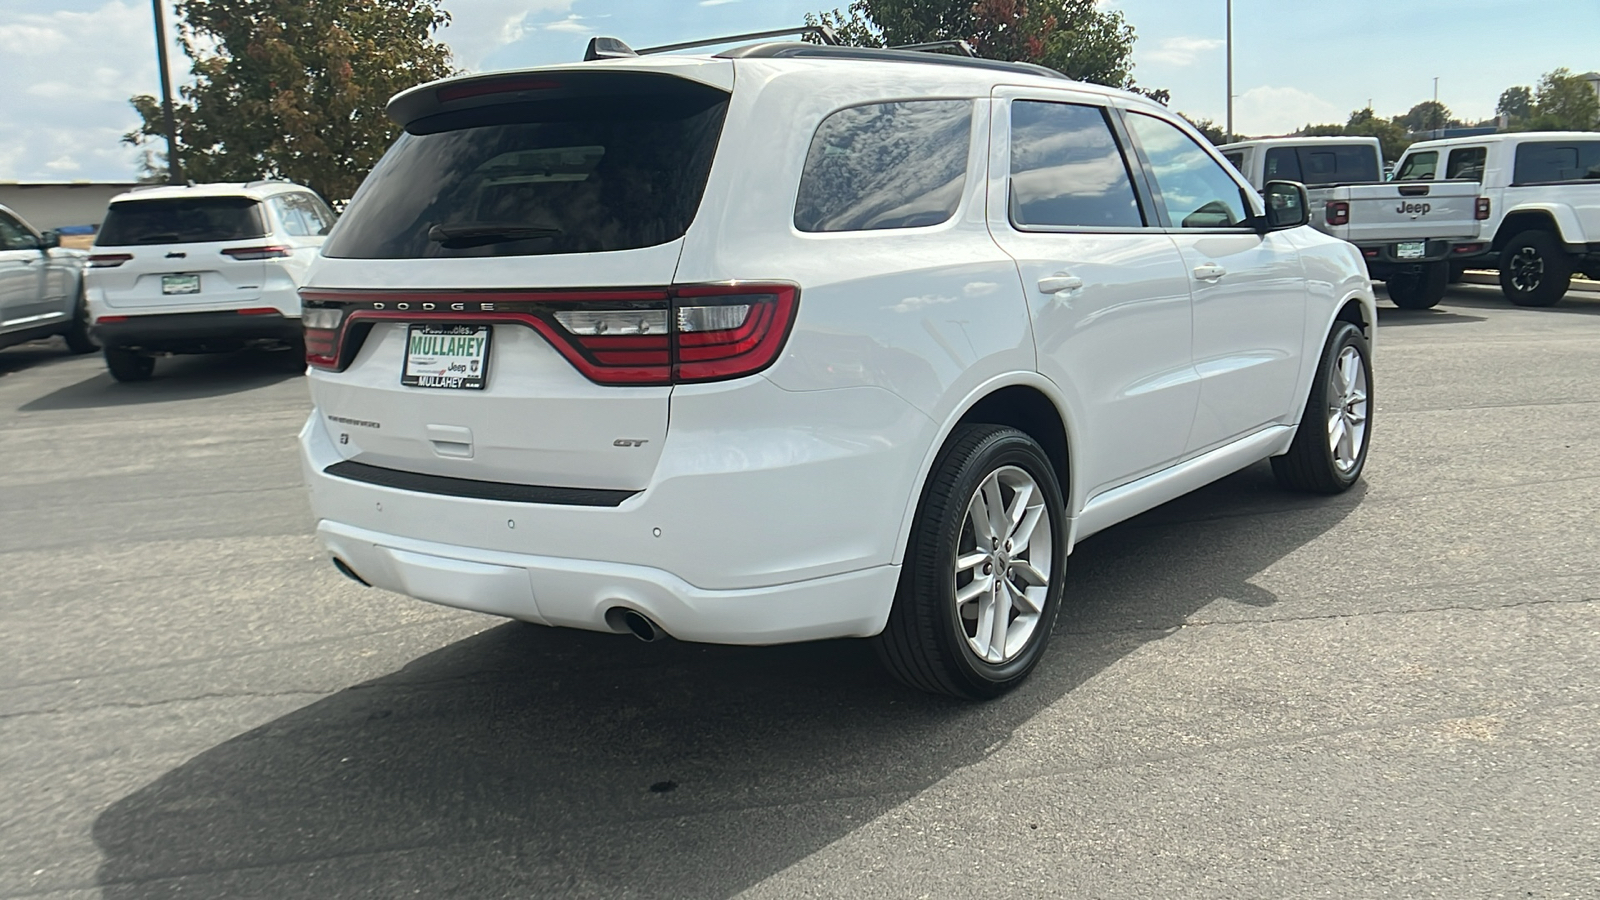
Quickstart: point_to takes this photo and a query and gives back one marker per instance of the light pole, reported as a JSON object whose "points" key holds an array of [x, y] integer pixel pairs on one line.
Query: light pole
{"points": [[1230, 71], [174, 165], [1438, 123]]}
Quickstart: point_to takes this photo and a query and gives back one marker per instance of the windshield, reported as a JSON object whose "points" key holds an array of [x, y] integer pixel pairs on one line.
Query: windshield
{"points": [[570, 175], [184, 220]]}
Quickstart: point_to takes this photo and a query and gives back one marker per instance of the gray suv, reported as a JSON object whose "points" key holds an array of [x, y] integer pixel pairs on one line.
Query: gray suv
{"points": [[41, 286]]}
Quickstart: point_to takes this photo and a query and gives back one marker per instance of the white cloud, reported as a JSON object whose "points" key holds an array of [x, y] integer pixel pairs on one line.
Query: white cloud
{"points": [[1181, 51], [572, 24], [1269, 110], [480, 28], [67, 77]]}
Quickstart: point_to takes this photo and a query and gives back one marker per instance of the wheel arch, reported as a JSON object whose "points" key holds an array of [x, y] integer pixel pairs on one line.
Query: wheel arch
{"points": [[1026, 401], [1552, 217]]}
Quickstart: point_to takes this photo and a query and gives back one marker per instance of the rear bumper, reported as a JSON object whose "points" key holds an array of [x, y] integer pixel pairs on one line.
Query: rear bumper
{"points": [[576, 593], [179, 331]]}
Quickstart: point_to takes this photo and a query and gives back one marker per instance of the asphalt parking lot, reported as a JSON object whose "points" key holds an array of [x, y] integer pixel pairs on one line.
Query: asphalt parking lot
{"points": [[1392, 693]]}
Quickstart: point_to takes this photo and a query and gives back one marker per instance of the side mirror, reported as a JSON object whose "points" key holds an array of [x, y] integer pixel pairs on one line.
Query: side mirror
{"points": [[1287, 206], [49, 239]]}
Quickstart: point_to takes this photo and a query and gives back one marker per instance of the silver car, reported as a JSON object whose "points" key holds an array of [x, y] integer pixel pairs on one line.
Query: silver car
{"points": [[41, 286]]}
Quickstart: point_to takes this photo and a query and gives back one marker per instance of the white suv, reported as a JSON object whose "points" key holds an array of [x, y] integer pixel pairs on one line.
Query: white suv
{"points": [[201, 269], [799, 341]]}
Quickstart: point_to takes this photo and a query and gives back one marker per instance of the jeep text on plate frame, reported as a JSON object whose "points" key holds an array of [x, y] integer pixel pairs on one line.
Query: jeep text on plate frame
{"points": [[446, 356]]}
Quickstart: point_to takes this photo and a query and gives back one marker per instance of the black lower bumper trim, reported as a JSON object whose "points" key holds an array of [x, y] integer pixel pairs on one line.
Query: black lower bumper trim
{"points": [[476, 490], [199, 329]]}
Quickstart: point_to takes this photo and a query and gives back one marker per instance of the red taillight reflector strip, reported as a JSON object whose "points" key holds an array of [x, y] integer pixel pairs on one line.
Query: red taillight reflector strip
{"points": [[647, 337], [248, 253], [1338, 212], [259, 311], [108, 260], [1483, 208], [104, 319], [1465, 249]]}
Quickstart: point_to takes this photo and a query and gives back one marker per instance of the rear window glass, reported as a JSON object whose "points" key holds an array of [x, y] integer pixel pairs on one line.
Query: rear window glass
{"points": [[1551, 161], [1327, 164], [1418, 167], [187, 220], [1067, 170], [886, 165], [580, 174], [1466, 162]]}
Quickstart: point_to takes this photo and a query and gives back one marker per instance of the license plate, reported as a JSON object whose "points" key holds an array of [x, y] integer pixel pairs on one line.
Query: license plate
{"points": [[446, 356], [180, 284], [1411, 250]]}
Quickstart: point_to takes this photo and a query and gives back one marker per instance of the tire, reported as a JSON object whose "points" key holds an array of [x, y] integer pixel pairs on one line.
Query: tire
{"points": [[129, 365], [78, 339], [935, 641], [1421, 289], [1312, 464], [1535, 270]]}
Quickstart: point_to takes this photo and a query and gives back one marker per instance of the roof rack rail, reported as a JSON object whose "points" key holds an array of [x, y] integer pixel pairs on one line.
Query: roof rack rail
{"points": [[796, 50], [961, 47], [261, 181], [612, 48]]}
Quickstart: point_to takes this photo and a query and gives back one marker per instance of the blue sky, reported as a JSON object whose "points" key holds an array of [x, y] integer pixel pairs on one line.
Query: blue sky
{"points": [[72, 64]]}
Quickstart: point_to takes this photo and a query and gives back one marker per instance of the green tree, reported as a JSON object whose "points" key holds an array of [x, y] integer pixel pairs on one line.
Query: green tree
{"points": [[1391, 133], [1516, 104], [1211, 130], [295, 89], [1074, 37], [1565, 102], [1427, 116]]}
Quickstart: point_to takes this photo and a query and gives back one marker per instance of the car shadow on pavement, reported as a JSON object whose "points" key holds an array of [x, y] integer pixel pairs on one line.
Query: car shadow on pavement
{"points": [[177, 378], [17, 357], [1390, 316], [531, 762], [1576, 302]]}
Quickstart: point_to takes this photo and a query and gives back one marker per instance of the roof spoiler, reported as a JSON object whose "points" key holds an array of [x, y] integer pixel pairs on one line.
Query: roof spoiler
{"points": [[612, 48]]}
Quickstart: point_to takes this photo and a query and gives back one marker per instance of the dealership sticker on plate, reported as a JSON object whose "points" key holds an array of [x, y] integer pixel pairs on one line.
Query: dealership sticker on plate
{"points": [[446, 356]]}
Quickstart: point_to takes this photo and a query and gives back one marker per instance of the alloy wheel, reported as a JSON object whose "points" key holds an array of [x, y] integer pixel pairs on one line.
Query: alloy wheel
{"points": [[1003, 565], [1347, 409]]}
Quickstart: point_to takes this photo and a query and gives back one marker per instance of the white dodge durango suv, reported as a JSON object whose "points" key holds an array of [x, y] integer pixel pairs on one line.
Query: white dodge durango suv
{"points": [[200, 269], [800, 341]]}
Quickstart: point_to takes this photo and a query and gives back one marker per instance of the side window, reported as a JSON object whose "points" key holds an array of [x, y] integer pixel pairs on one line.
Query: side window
{"points": [[1196, 190], [886, 165], [1544, 162], [1283, 164], [1066, 169], [1418, 166], [318, 216], [293, 221], [13, 236], [1466, 162]]}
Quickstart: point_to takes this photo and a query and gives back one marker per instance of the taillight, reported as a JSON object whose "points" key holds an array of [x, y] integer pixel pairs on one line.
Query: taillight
{"points": [[1483, 208], [246, 253], [646, 337], [257, 311], [108, 260], [1338, 212]]}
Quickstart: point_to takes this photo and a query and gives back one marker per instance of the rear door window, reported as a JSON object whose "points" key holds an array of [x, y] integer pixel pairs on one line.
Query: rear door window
{"points": [[574, 174], [1419, 166], [1283, 164], [1067, 169], [13, 236], [1547, 161], [186, 220], [1466, 162], [885, 165]]}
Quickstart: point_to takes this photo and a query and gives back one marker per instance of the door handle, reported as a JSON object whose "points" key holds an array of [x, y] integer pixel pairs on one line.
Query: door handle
{"points": [[1209, 272], [1059, 282]]}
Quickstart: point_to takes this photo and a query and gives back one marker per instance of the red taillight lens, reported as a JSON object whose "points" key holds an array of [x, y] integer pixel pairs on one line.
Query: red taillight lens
{"points": [[106, 319], [258, 311], [247, 253], [643, 337], [1338, 212], [1483, 208], [108, 260]]}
